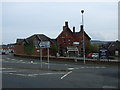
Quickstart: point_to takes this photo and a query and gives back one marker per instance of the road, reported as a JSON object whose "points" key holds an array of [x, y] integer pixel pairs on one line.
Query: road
{"points": [[27, 73]]}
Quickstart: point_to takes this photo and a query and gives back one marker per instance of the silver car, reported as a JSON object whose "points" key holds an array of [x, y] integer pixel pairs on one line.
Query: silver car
{"points": [[95, 55]]}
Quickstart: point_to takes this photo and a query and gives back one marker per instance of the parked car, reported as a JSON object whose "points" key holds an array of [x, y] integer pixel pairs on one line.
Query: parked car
{"points": [[5, 52], [95, 55], [89, 55]]}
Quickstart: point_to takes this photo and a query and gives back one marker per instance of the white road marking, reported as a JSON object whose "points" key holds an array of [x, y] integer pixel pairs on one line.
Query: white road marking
{"points": [[65, 75], [87, 68], [76, 68], [6, 68], [103, 67], [109, 87], [33, 75], [97, 67], [21, 74], [46, 63], [35, 63], [9, 71], [12, 59], [50, 73], [82, 67], [70, 68], [90, 67]]}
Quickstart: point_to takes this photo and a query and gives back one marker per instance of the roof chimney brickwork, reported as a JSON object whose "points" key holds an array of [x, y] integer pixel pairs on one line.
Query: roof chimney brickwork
{"points": [[66, 24], [81, 27], [73, 29]]}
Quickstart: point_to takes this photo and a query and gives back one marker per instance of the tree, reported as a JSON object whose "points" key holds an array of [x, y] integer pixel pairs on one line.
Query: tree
{"points": [[54, 49], [92, 48], [29, 48]]}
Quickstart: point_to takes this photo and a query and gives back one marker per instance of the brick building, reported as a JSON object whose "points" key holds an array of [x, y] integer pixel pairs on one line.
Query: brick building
{"points": [[31, 42], [71, 42]]}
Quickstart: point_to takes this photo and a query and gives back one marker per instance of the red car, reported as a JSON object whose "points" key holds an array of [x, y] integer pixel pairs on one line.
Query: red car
{"points": [[89, 55]]}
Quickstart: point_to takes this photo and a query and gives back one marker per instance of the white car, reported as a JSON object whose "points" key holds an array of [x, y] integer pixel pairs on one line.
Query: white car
{"points": [[95, 55], [5, 52]]}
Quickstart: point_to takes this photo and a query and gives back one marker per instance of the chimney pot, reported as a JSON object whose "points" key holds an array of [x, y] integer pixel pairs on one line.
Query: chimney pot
{"points": [[66, 24], [63, 27], [81, 27], [73, 29]]}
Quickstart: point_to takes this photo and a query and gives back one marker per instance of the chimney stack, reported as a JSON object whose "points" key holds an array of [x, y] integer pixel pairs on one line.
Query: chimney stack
{"points": [[73, 29], [66, 24], [81, 27], [63, 27]]}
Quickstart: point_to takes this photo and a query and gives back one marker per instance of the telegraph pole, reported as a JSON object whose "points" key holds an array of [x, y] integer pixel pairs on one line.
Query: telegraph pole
{"points": [[82, 11]]}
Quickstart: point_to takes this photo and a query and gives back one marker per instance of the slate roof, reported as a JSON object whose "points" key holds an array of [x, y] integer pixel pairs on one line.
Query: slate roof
{"points": [[41, 37], [19, 41]]}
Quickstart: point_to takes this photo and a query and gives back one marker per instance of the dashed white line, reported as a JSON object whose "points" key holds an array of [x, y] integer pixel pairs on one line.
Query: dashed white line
{"points": [[109, 87], [82, 67], [33, 75], [50, 73], [9, 71], [66, 75], [70, 68], [6, 68], [90, 67]]}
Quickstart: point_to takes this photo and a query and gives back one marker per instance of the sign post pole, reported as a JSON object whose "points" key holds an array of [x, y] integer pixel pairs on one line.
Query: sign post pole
{"points": [[48, 58], [44, 44], [82, 11], [41, 56]]}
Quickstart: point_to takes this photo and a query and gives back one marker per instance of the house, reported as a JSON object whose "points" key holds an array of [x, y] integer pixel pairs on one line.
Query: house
{"points": [[31, 45], [70, 42], [113, 48]]}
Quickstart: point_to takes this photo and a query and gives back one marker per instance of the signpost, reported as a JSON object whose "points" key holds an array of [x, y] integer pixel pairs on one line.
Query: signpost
{"points": [[82, 11], [44, 44], [103, 53]]}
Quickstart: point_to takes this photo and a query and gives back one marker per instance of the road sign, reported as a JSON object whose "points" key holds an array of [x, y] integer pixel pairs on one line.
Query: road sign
{"points": [[44, 44], [103, 53]]}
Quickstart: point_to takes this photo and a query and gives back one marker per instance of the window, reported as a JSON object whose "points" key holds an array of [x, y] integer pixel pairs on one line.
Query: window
{"points": [[36, 42]]}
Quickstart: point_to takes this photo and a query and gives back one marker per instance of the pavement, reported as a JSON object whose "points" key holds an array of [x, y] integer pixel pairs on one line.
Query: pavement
{"points": [[31, 73]]}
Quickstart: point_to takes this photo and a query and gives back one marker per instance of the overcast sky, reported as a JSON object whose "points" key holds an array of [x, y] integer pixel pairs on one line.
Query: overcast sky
{"points": [[23, 19]]}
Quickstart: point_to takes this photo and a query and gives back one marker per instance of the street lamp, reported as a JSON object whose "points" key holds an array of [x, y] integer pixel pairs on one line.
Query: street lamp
{"points": [[82, 11]]}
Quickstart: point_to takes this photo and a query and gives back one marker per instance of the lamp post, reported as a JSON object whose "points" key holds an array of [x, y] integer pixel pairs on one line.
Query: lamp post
{"points": [[82, 11]]}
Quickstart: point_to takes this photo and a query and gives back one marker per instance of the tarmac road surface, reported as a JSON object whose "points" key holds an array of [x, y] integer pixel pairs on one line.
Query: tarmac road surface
{"points": [[27, 73]]}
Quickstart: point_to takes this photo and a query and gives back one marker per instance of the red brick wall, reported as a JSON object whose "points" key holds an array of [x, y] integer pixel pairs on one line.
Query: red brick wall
{"points": [[65, 38], [19, 50]]}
